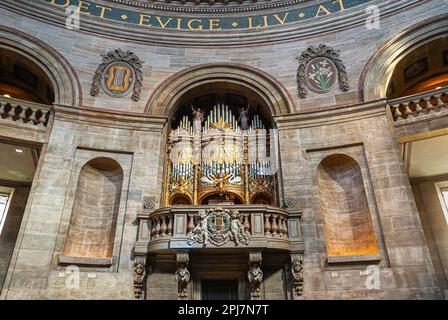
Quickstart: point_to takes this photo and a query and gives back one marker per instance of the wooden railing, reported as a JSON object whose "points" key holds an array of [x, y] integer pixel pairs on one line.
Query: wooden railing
{"points": [[418, 105], [26, 112], [261, 226]]}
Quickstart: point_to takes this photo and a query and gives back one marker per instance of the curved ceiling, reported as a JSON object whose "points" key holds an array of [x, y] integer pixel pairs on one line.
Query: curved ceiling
{"points": [[208, 23]]}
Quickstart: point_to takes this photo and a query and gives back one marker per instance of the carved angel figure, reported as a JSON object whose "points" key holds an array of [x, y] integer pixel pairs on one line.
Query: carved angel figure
{"points": [[198, 118], [255, 276], [298, 273], [244, 118], [237, 228], [182, 278], [200, 232], [139, 275]]}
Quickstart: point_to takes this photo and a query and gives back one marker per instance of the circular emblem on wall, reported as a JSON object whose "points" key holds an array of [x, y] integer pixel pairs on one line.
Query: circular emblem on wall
{"points": [[321, 75], [118, 79]]}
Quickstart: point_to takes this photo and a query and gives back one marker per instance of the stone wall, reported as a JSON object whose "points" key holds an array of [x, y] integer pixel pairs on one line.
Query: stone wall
{"points": [[435, 225], [11, 228], [35, 272], [405, 268], [117, 128], [83, 51]]}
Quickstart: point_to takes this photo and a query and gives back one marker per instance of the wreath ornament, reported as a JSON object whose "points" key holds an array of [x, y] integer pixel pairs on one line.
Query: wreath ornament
{"points": [[319, 70], [122, 59]]}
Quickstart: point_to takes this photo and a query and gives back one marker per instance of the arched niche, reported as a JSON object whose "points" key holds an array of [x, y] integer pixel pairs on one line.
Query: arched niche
{"points": [[261, 198], [347, 224], [92, 227], [45, 62], [376, 77], [180, 200], [216, 197]]}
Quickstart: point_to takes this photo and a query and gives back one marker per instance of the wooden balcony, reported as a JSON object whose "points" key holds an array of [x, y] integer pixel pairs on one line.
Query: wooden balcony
{"points": [[237, 227]]}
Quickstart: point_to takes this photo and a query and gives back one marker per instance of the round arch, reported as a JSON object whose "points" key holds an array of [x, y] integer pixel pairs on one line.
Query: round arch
{"points": [[66, 86], [164, 100], [378, 71]]}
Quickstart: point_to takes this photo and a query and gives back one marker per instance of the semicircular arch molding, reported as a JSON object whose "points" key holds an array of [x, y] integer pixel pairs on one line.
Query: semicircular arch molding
{"points": [[378, 71], [166, 98], [66, 86]]}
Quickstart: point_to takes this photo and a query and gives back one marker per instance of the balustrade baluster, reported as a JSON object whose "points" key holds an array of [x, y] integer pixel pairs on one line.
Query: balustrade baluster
{"points": [[153, 228], [418, 108], [274, 225], [163, 227], [285, 227], [22, 116], [429, 107], [157, 233], [32, 118], [408, 112], [246, 223], [190, 225], [169, 228], [12, 112], [444, 99], [397, 113], [267, 225], [2, 109]]}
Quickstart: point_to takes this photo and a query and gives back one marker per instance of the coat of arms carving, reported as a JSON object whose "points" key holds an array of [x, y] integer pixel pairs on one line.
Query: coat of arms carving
{"points": [[119, 73], [218, 226]]}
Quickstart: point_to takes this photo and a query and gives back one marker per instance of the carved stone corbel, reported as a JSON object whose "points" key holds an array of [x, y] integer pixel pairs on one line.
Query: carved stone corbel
{"points": [[297, 272], [140, 273], [255, 275], [182, 275]]}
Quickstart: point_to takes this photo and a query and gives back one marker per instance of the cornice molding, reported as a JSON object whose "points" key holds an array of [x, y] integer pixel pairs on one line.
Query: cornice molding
{"points": [[329, 116], [111, 119], [224, 8], [140, 34]]}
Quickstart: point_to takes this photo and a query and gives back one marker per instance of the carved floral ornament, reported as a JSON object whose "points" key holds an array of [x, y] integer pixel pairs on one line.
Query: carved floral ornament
{"points": [[119, 73], [319, 71]]}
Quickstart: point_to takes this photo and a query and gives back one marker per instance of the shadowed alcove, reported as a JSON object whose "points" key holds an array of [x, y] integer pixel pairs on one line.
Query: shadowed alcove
{"points": [[92, 227], [348, 227]]}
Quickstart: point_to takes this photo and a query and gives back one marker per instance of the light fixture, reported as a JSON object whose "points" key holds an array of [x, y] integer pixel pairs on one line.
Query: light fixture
{"points": [[7, 95], [19, 150], [438, 88]]}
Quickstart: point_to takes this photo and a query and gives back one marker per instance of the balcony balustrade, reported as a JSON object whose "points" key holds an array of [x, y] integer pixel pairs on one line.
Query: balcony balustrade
{"points": [[24, 112], [420, 105], [236, 226]]}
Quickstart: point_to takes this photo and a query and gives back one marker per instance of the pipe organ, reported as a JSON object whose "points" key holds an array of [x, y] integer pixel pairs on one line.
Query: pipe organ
{"points": [[217, 158]]}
